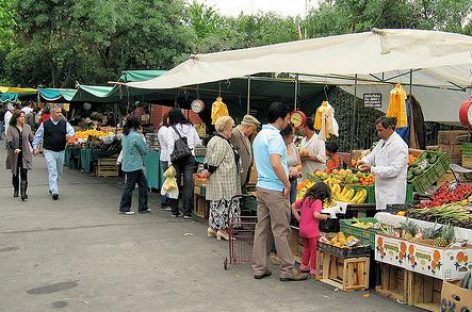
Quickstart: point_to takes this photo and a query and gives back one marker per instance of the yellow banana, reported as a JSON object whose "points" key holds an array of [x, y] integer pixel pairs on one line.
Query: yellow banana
{"points": [[363, 197], [357, 197]]}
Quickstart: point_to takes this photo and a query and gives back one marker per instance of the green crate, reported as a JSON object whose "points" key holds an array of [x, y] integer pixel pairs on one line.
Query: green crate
{"points": [[421, 183], [370, 191], [366, 236], [467, 149], [409, 193]]}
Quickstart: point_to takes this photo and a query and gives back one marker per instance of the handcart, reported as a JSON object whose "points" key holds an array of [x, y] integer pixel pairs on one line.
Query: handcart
{"points": [[241, 231]]}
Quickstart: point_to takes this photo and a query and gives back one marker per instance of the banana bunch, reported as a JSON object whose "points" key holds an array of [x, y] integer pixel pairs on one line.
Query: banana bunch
{"points": [[332, 181], [348, 195]]}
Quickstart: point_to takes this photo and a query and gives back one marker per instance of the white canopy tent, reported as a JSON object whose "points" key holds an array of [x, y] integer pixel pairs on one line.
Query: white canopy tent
{"points": [[435, 59]]}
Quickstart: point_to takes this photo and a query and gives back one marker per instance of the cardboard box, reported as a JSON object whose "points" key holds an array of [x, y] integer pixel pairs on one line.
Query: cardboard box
{"points": [[424, 257], [453, 151], [452, 137], [452, 295]]}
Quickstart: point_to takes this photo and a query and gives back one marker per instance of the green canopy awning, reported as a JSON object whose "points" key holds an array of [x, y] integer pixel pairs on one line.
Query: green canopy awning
{"points": [[140, 75]]}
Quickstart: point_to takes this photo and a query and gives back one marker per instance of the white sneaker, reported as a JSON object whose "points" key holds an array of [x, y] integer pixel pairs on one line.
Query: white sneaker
{"points": [[127, 212]]}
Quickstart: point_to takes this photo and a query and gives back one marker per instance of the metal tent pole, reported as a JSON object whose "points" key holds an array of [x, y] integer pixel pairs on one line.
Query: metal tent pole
{"points": [[248, 107], [353, 124], [296, 93]]}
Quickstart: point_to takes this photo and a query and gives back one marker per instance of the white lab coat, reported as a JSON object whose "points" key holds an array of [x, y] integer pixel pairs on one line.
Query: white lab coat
{"points": [[317, 148], [389, 165]]}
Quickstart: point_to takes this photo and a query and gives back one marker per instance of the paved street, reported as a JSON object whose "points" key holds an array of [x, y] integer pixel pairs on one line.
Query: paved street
{"points": [[79, 254]]}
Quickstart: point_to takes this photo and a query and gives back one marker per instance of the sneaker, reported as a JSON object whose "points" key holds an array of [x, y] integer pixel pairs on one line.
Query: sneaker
{"points": [[313, 273], [175, 215], [127, 212], [145, 211], [304, 268], [263, 275], [188, 217], [50, 192], [297, 276], [55, 196], [166, 208]]}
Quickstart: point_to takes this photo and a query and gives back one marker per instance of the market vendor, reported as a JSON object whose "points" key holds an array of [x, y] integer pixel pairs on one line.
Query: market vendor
{"points": [[312, 149], [388, 163]]}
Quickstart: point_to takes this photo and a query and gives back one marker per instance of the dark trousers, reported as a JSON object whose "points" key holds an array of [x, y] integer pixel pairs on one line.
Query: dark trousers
{"points": [[185, 168], [131, 178], [165, 201], [20, 172]]}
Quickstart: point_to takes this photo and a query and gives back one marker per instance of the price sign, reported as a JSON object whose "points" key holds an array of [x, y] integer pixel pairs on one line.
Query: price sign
{"points": [[373, 100]]}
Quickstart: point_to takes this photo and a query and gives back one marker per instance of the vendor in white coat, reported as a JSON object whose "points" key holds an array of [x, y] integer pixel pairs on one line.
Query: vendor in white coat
{"points": [[388, 163]]}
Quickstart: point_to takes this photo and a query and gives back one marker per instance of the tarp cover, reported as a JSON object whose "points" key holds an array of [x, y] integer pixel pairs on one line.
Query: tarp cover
{"points": [[365, 53]]}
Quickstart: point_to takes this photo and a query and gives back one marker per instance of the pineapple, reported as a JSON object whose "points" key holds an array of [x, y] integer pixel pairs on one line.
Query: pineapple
{"points": [[446, 238], [432, 233], [409, 229]]}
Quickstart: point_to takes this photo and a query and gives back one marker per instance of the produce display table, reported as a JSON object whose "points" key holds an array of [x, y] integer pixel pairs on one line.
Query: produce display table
{"points": [[87, 157], [72, 157], [153, 169]]}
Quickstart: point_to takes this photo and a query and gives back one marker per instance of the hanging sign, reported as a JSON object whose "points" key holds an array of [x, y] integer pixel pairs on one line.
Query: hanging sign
{"points": [[373, 100]]}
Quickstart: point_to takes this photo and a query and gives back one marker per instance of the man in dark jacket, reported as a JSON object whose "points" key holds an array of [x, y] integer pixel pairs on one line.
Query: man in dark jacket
{"points": [[54, 133]]}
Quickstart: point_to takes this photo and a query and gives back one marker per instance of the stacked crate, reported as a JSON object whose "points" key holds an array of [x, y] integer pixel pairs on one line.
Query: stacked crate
{"points": [[450, 142], [467, 155], [107, 167]]}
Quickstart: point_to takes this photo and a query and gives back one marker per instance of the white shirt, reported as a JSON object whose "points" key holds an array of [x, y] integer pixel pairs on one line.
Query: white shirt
{"points": [[317, 148], [6, 119], [164, 135], [185, 130], [389, 165], [26, 110]]}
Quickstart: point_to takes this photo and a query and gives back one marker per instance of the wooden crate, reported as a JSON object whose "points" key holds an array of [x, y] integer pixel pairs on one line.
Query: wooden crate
{"points": [[393, 282], [348, 274], [424, 292], [201, 206], [296, 244], [106, 167], [450, 137]]}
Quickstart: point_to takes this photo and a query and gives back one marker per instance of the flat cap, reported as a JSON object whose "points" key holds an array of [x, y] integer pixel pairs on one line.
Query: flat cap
{"points": [[249, 120]]}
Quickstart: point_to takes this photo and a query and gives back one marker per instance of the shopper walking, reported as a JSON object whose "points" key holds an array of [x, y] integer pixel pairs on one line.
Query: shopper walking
{"points": [[307, 211], [53, 133], [181, 128], [273, 189], [19, 158], [2, 119], [163, 135], [223, 172], [134, 149], [294, 162]]}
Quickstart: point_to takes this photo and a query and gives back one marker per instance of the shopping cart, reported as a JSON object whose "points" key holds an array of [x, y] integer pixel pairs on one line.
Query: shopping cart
{"points": [[241, 231]]}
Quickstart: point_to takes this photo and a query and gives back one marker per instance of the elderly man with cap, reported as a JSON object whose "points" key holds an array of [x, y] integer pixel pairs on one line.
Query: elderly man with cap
{"points": [[240, 141]]}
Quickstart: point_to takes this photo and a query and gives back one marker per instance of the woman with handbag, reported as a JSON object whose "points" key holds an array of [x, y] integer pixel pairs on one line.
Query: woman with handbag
{"points": [[20, 156], [180, 147], [222, 167]]}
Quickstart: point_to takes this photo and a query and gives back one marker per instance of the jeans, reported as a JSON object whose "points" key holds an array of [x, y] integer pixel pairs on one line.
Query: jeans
{"points": [[131, 178], [165, 201], [186, 168], [55, 164], [293, 191]]}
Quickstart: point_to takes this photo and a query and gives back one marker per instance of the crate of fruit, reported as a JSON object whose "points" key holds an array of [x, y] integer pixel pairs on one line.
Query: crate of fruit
{"points": [[363, 229], [343, 246], [427, 169]]}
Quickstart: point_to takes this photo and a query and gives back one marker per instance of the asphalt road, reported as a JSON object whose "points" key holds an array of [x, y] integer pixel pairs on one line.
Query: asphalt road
{"points": [[79, 254]]}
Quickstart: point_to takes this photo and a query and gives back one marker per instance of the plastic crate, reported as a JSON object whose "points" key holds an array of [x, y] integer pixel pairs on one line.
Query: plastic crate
{"points": [[366, 236], [467, 149], [330, 225], [370, 191], [355, 252]]}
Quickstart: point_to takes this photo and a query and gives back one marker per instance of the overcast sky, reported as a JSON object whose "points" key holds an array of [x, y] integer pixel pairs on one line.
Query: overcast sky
{"points": [[281, 7]]}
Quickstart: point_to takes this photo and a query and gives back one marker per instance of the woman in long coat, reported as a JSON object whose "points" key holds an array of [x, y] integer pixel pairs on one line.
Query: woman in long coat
{"points": [[223, 172], [20, 155]]}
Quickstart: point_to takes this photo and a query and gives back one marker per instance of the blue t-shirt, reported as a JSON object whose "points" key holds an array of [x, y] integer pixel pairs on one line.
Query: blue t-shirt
{"points": [[267, 142]]}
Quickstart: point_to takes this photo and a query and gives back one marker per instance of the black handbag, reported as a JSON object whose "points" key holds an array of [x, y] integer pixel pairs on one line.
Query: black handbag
{"points": [[181, 150]]}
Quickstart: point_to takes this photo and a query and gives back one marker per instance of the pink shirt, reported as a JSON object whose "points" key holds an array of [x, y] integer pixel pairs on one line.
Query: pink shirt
{"points": [[309, 226]]}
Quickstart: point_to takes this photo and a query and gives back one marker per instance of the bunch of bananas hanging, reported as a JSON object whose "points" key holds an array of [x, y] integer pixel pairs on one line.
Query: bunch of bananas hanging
{"points": [[347, 194]]}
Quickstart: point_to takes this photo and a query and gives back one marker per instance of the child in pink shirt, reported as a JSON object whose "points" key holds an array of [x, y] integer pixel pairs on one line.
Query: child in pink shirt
{"points": [[310, 207]]}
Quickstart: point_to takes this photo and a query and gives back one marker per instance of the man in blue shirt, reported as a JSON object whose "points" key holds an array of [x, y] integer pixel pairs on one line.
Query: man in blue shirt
{"points": [[273, 190]]}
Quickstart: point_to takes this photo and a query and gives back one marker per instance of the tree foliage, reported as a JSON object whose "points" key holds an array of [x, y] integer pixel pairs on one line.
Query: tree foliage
{"points": [[59, 42]]}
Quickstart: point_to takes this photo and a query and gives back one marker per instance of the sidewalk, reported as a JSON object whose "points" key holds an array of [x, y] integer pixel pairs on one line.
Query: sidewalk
{"points": [[79, 254]]}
